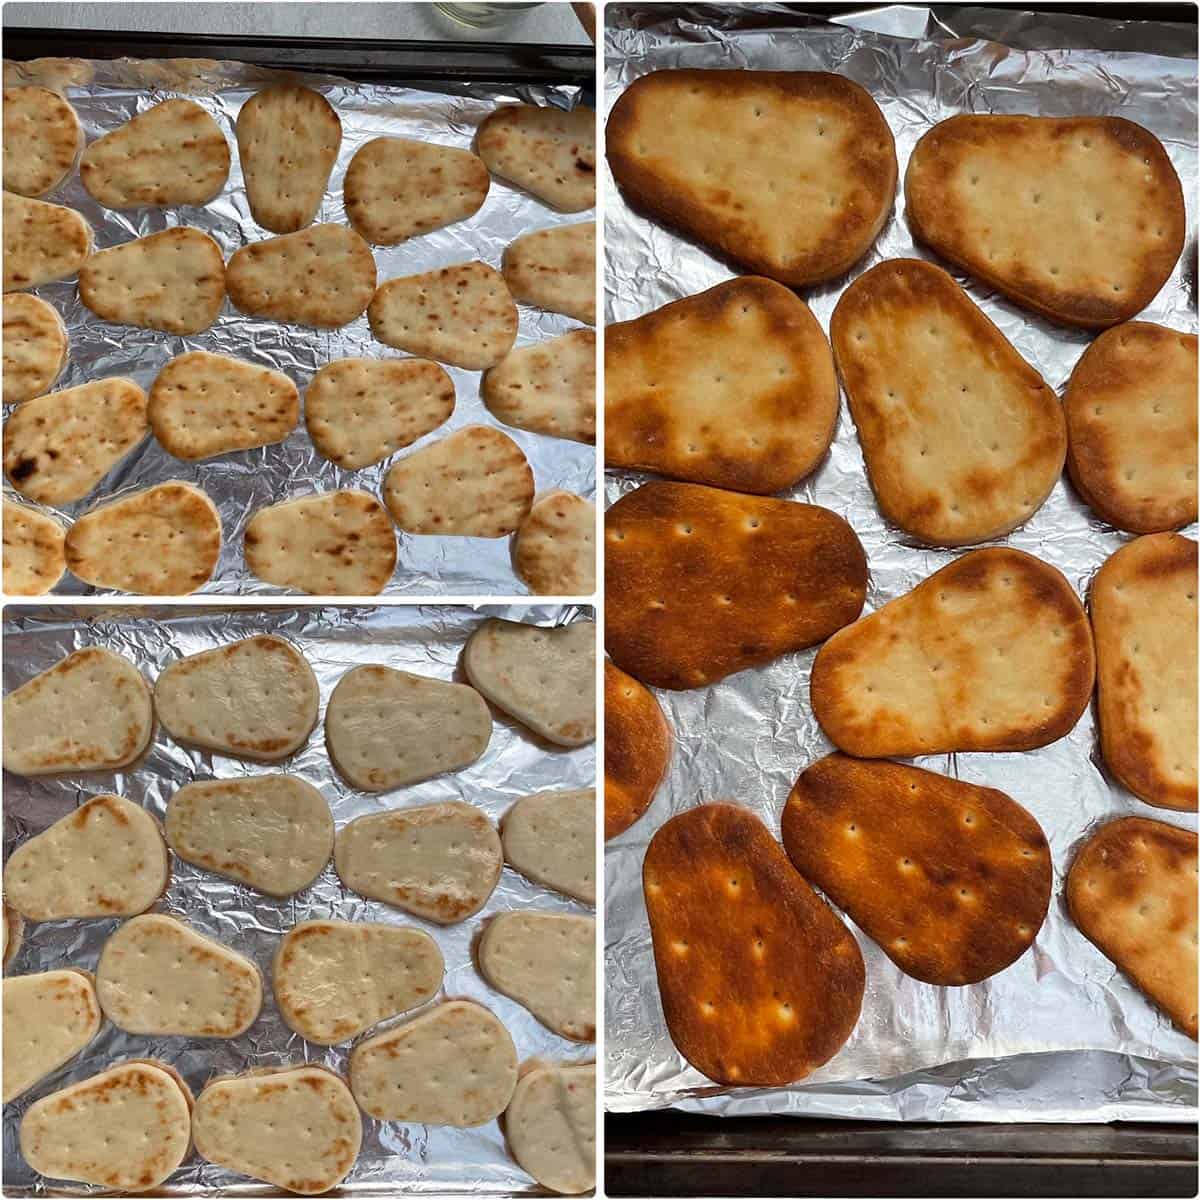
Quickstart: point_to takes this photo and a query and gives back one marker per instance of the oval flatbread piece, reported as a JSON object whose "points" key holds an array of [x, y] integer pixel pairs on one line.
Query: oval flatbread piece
{"points": [[323, 277], [439, 861], [475, 482], [549, 387], [550, 837], [546, 962], [760, 981], [58, 447], [254, 698], [164, 541], [288, 139], [1080, 219], [701, 151], [202, 405], [551, 1126], [335, 543], [158, 976], [317, 1127], [963, 441], [1143, 605], [1132, 892], [555, 550], [951, 880], [42, 242], [273, 833], [89, 712], [701, 583], [49, 1017], [545, 678], [734, 387], [360, 410], [173, 281], [992, 652], [173, 153], [42, 137], [546, 151], [105, 859], [34, 560], [386, 729], [454, 1065], [1131, 424], [35, 347], [399, 188], [334, 979], [125, 1129], [555, 269], [637, 749]]}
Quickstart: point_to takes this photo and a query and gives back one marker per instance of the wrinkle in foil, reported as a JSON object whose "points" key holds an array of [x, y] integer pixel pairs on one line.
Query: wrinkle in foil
{"points": [[1061, 1034], [107, 94], [428, 640]]}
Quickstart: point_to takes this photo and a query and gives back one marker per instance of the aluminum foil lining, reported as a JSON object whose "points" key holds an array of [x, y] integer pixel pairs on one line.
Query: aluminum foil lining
{"points": [[1062, 1034], [106, 94], [395, 1157]]}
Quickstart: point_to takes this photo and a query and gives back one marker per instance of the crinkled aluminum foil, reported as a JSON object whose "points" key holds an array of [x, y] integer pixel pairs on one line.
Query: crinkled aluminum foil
{"points": [[1060, 1035], [106, 95], [429, 640]]}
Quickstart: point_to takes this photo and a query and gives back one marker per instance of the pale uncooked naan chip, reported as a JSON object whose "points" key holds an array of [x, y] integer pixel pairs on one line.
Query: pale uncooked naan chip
{"points": [[550, 838], [49, 1017], [551, 1125]]}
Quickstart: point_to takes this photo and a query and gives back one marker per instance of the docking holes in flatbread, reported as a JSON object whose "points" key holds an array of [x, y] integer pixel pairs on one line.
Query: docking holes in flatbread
{"points": [[42, 137], [547, 963], [173, 281], [273, 833], [105, 859], [323, 277], [164, 541], [555, 269], [550, 1125], [158, 976], [288, 139], [202, 405], [125, 1129], [550, 837], [1131, 426], [963, 441], [952, 880], [360, 410], [334, 979], [545, 678], [49, 1018], [1132, 891], [254, 698], [546, 151], [315, 1127], [34, 560], [734, 387], [399, 188], [701, 151], [555, 550], [173, 153], [336, 543], [760, 981], [476, 482], [89, 712], [549, 387], [637, 749], [1080, 219], [386, 729], [35, 347], [461, 315], [42, 242], [454, 1065], [439, 861], [992, 652], [701, 583], [58, 447], [1143, 605]]}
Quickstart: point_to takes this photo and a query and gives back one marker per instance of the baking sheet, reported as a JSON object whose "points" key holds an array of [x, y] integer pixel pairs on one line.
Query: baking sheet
{"points": [[428, 640], [1060, 1035], [106, 94]]}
